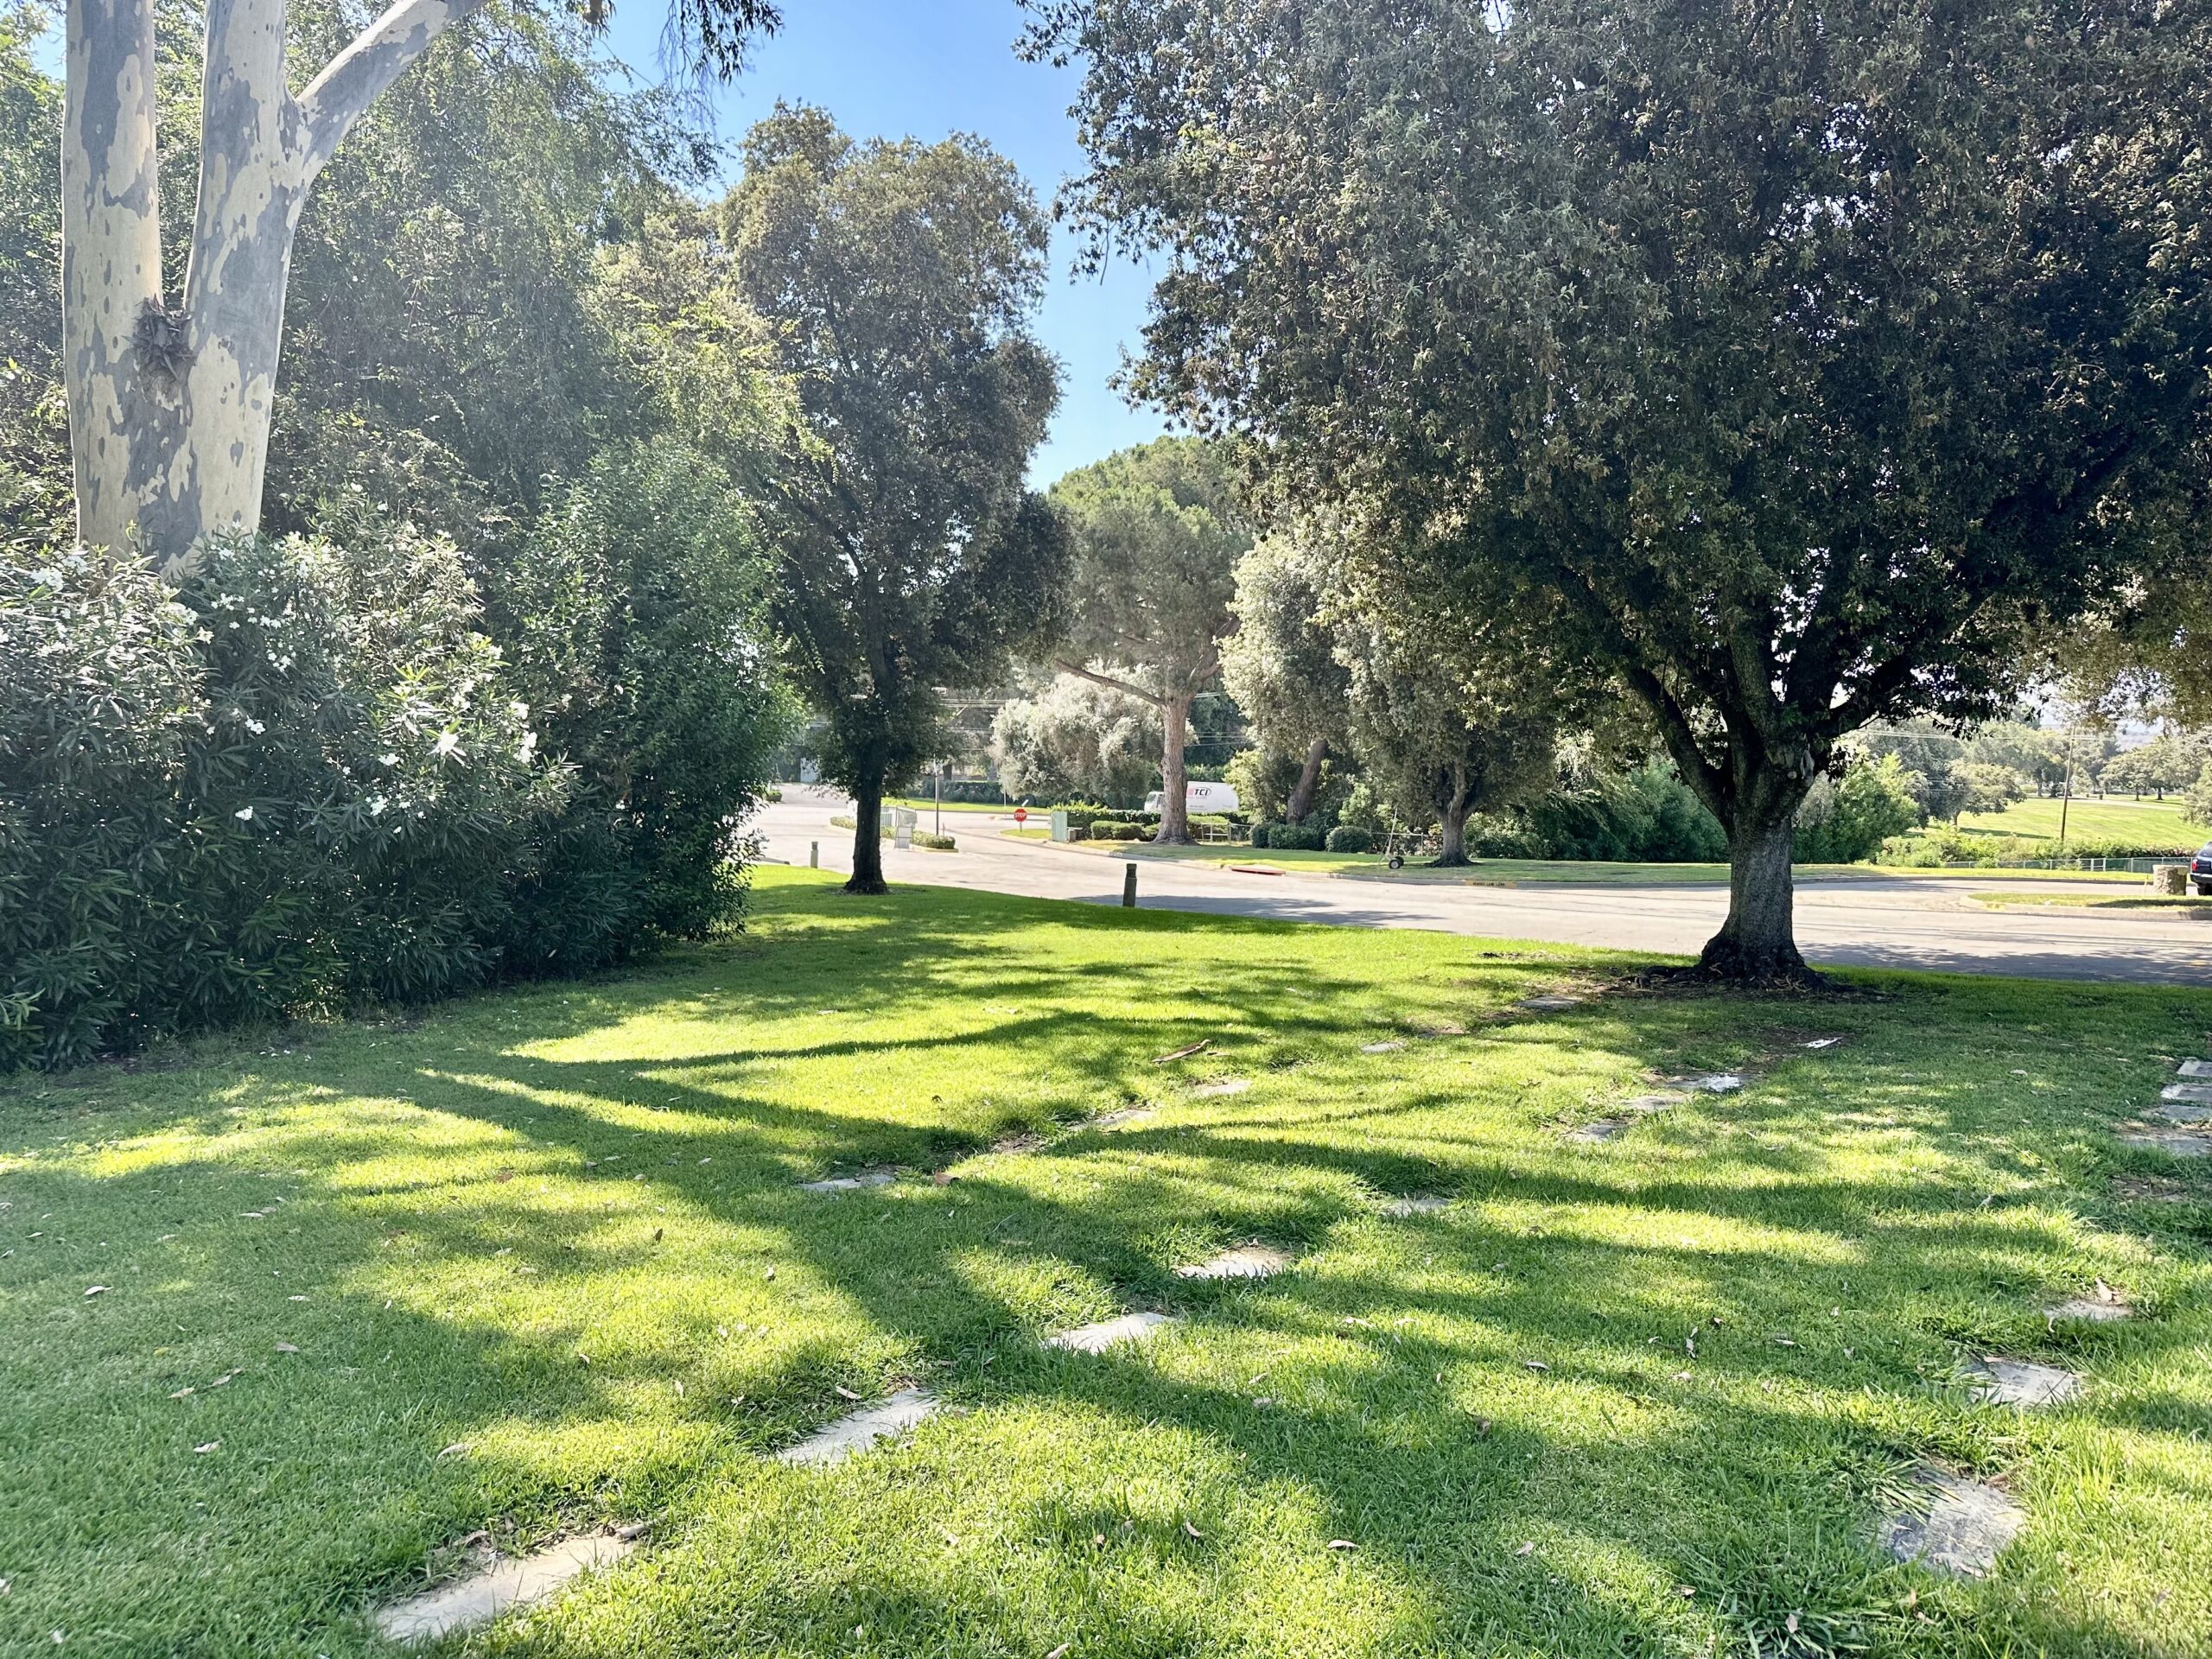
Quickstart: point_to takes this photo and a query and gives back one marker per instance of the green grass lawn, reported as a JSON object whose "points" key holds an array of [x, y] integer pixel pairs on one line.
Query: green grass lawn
{"points": [[2016, 899], [2116, 819], [1525, 872], [542, 1259], [1492, 871], [923, 804]]}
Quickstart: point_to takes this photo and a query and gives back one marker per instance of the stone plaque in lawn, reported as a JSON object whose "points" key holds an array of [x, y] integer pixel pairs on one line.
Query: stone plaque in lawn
{"points": [[2199, 1092], [1098, 1338], [1591, 1134], [1419, 1204], [2182, 1143], [1121, 1115], [1551, 1002], [836, 1441], [2196, 1068], [1390, 1046], [467, 1603], [2102, 1305], [1221, 1086], [1964, 1529], [2022, 1383], [867, 1177], [2182, 1111], [1245, 1261]]}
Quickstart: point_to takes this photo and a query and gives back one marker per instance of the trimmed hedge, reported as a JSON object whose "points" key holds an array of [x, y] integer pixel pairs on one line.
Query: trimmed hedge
{"points": [[1295, 838], [1349, 838]]}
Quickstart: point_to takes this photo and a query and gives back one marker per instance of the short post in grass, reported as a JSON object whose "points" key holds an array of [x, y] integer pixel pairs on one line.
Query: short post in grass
{"points": [[813, 854], [1129, 886]]}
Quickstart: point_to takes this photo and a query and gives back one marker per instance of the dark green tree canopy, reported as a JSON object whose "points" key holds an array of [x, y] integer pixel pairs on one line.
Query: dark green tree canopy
{"points": [[899, 280], [1789, 361]]}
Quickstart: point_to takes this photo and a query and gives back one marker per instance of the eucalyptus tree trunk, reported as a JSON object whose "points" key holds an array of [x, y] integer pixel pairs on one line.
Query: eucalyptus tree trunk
{"points": [[1309, 780], [1174, 778], [169, 403]]}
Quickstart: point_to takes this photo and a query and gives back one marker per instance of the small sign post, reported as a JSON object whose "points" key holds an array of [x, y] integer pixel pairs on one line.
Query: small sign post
{"points": [[1020, 815]]}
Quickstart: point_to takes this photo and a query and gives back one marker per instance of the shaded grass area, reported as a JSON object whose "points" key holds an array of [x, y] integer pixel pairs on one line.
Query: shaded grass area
{"points": [[544, 1266]]}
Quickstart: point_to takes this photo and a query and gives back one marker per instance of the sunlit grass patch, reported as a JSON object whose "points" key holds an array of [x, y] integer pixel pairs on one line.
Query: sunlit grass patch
{"points": [[540, 1262]]}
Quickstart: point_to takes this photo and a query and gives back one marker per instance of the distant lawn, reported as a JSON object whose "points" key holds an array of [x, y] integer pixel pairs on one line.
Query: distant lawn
{"points": [[545, 1267], [2190, 905], [2118, 818], [1519, 872], [1491, 871], [923, 804]]}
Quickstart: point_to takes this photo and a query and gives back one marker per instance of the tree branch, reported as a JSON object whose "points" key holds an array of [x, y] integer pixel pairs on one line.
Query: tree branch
{"points": [[336, 98], [1109, 683]]}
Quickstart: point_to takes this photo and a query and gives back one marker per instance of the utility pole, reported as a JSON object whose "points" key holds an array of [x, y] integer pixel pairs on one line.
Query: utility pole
{"points": [[2066, 792]]}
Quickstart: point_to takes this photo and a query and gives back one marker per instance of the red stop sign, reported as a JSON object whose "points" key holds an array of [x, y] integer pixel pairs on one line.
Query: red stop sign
{"points": [[1021, 815]]}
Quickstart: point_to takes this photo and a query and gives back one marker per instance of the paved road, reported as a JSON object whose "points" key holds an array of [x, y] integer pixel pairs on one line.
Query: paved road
{"points": [[1875, 921]]}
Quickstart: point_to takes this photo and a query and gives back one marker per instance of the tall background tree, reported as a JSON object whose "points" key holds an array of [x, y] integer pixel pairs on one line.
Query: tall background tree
{"points": [[1443, 726], [1157, 538], [1280, 659], [171, 391], [900, 280], [1770, 361]]}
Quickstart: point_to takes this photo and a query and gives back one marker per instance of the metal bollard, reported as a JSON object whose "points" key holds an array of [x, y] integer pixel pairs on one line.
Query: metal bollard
{"points": [[813, 854], [1129, 886]]}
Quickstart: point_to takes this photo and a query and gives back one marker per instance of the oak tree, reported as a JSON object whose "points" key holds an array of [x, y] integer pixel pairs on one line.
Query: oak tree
{"points": [[1792, 362], [900, 281], [1280, 661]]}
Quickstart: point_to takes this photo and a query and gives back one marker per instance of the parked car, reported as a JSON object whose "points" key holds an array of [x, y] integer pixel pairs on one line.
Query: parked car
{"points": [[2200, 870], [1198, 796]]}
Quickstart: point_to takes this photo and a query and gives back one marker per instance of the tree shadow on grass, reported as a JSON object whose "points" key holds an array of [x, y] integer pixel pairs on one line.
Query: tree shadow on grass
{"points": [[1631, 1477]]}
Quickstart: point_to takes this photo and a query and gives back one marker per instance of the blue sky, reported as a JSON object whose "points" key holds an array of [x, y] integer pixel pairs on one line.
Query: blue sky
{"points": [[894, 70]]}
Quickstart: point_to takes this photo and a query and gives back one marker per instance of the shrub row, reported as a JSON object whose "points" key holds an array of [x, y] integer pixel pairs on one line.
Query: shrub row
{"points": [[308, 779]]}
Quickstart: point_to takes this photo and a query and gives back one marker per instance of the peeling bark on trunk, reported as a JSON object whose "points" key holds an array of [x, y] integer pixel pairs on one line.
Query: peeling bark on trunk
{"points": [[1758, 942], [1451, 823], [1309, 780], [110, 260], [1174, 785], [868, 842], [169, 407]]}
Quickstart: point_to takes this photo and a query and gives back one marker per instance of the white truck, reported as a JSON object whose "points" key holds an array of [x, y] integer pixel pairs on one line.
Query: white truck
{"points": [[1198, 796]]}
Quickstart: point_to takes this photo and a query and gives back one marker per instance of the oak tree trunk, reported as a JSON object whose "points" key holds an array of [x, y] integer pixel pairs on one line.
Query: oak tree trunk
{"points": [[170, 405], [868, 841], [1758, 943], [1451, 823], [1174, 785], [1309, 780]]}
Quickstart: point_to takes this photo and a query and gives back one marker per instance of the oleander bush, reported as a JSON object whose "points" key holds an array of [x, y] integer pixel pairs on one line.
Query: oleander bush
{"points": [[306, 778]]}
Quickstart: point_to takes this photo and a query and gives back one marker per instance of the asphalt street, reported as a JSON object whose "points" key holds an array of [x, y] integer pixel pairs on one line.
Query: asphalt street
{"points": [[1861, 921]]}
